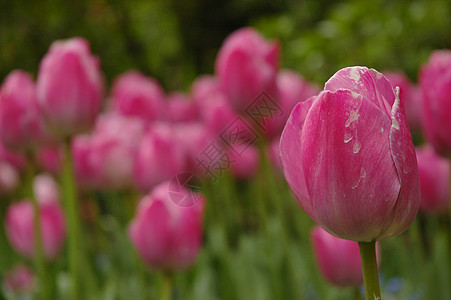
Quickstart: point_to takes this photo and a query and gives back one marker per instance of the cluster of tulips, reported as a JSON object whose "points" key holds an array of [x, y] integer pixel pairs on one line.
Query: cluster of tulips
{"points": [[346, 153]]}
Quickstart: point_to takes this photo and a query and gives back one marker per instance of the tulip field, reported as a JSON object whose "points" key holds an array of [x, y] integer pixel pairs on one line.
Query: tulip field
{"points": [[252, 183]]}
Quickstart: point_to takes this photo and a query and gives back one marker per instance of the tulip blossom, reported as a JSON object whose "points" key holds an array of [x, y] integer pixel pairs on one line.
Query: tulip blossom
{"points": [[166, 235], [70, 87], [411, 95], [272, 153], [246, 66], [181, 108], [434, 174], [160, 157], [134, 94], [337, 259], [435, 83], [9, 178], [19, 222], [244, 161], [348, 156], [50, 159], [19, 280]]}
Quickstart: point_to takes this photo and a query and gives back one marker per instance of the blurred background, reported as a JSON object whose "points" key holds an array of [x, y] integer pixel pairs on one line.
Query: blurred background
{"points": [[176, 40]]}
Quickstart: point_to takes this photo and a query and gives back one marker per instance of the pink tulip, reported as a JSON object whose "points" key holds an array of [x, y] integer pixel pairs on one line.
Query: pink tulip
{"points": [[181, 108], [85, 172], [50, 159], [70, 87], [435, 83], [19, 222], [20, 124], [246, 66], [292, 88], [338, 259], [134, 94], [272, 152], [168, 236], [15, 159], [434, 174], [113, 148], [19, 280], [245, 161], [9, 178], [411, 95], [160, 157], [348, 156]]}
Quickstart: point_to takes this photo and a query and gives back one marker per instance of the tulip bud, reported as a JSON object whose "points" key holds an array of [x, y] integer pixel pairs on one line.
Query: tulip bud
{"points": [[435, 83], [434, 174], [338, 259], [19, 280], [134, 94], [246, 66], [70, 87], [244, 161], [348, 156], [20, 124], [19, 222], [159, 157], [411, 95], [168, 236]]}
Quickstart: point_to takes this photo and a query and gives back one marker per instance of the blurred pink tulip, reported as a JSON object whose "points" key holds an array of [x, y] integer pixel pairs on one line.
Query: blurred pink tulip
{"points": [[246, 66], [411, 95], [245, 161], [15, 159], [9, 178], [348, 156], [20, 124], [434, 174], [272, 152], [50, 159], [166, 235], [338, 259], [19, 222], [435, 83], [292, 88], [160, 157], [70, 87], [134, 94], [84, 168], [19, 280], [181, 108]]}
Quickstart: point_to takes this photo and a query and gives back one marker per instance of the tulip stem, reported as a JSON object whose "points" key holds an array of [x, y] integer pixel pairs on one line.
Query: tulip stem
{"points": [[37, 234], [71, 208], [369, 269], [166, 290]]}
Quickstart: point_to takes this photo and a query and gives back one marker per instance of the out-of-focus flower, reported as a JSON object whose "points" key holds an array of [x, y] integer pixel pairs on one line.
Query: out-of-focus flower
{"points": [[15, 159], [244, 161], [20, 123], [434, 174], [19, 222], [50, 158], [168, 236], [85, 173], [70, 87], [160, 156], [338, 259], [411, 95], [435, 83], [134, 94], [19, 280], [181, 108], [9, 178], [348, 156], [246, 66], [272, 152]]}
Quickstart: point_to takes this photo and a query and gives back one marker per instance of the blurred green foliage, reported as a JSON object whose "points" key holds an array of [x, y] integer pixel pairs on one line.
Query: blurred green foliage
{"points": [[177, 40]]}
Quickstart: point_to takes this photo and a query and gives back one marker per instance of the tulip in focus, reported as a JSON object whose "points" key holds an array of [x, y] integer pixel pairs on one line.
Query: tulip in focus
{"points": [[168, 236], [19, 280], [435, 83], [70, 87], [19, 222], [160, 157], [348, 156], [20, 123], [246, 66], [337, 259], [434, 174], [134, 94]]}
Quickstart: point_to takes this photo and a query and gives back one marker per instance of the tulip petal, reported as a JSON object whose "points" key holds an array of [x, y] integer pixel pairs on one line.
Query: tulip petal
{"points": [[290, 153], [404, 157], [346, 154], [367, 82]]}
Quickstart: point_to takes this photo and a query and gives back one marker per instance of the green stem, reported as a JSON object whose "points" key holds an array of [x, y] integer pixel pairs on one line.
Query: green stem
{"points": [[71, 208], [166, 289], [38, 250], [369, 269]]}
